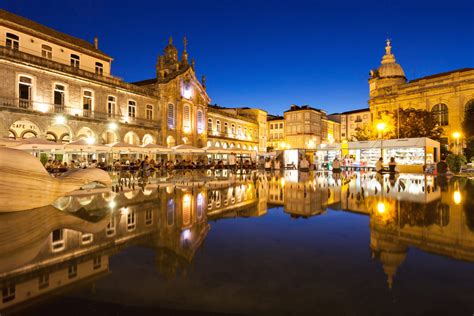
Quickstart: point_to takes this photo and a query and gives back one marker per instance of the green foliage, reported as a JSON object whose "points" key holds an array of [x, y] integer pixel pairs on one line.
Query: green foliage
{"points": [[362, 133], [418, 123], [455, 162], [43, 158], [468, 130]]}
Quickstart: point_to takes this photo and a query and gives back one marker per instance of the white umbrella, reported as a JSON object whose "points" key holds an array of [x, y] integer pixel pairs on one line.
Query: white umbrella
{"points": [[9, 142], [125, 147], [82, 145], [187, 149], [216, 150], [38, 144], [156, 148]]}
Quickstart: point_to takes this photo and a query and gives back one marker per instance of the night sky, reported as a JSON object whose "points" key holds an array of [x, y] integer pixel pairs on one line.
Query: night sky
{"points": [[271, 54]]}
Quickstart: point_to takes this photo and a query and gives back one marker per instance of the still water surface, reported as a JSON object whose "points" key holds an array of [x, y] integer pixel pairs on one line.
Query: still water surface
{"points": [[271, 244]]}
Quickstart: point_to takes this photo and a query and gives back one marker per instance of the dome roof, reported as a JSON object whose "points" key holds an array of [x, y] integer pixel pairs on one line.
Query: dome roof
{"points": [[389, 67]]}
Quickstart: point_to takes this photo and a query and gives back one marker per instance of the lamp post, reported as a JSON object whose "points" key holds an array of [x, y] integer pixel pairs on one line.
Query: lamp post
{"points": [[381, 127], [456, 136]]}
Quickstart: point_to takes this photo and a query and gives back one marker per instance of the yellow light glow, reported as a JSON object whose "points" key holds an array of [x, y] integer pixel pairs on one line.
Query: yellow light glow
{"points": [[112, 204], [282, 182], [457, 135], [381, 208], [187, 93], [90, 140], [113, 126], [42, 107], [60, 119], [457, 197], [381, 126]]}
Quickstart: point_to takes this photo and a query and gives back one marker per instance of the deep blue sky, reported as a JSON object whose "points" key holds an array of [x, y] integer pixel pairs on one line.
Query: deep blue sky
{"points": [[271, 54]]}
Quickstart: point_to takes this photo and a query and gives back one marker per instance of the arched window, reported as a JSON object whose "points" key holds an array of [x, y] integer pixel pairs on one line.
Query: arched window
{"points": [[186, 118], [440, 114], [170, 116], [200, 122], [209, 124], [218, 126]]}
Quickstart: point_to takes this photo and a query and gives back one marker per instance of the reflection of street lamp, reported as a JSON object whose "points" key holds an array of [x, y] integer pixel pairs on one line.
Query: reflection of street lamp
{"points": [[381, 127], [456, 136], [381, 208]]}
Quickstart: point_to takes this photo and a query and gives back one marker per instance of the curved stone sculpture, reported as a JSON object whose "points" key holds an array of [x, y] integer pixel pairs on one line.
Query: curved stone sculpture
{"points": [[24, 234], [25, 183]]}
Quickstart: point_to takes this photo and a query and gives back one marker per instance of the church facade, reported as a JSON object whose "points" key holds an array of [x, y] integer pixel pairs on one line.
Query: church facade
{"points": [[446, 95]]}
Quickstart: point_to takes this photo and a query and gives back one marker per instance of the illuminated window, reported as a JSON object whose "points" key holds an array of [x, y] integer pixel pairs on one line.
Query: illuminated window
{"points": [[96, 263], [170, 212], [148, 217], [131, 222], [200, 121], [132, 108], [170, 116], [87, 238], [209, 124], [226, 127], [111, 104], [149, 112], [8, 293], [72, 271], [58, 241], [110, 230], [99, 68], [46, 52], [43, 281], [59, 92], [186, 117], [13, 41], [24, 91], [218, 125], [74, 61], [87, 101], [233, 128], [440, 114]]}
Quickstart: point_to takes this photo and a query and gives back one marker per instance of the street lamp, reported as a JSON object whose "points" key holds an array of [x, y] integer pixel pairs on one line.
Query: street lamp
{"points": [[456, 136], [381, 127]]}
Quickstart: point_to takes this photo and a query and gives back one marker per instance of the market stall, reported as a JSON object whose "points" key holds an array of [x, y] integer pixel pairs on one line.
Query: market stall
{"points": [[325, 155]]}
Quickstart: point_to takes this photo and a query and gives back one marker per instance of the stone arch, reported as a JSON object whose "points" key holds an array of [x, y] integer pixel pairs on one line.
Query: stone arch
{"points": [[110, 137], [85, 133], [60, 133], [170, 141], [440, 112], [209, 143], [131, 138], [25, 129], [148, 139]]}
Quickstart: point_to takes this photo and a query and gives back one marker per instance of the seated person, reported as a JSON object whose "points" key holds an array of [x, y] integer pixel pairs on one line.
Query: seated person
{"points": [[392, 165], [379, 165]]}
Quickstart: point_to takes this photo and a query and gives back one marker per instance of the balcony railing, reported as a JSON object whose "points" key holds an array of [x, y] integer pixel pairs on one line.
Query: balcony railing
{"points": [[47, 108], [235, 136], [17, 55]]}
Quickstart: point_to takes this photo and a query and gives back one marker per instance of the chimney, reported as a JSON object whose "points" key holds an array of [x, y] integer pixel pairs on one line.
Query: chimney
{"points": [[96, 42]]}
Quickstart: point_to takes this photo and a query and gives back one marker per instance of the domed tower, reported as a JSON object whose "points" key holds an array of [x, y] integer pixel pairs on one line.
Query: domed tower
{"points": [[390, 73]]}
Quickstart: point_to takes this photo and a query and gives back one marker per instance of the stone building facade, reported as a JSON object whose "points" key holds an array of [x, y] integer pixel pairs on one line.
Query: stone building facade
{"points": [[276, 132], [352, 120], [306, 127], [446, 95]]}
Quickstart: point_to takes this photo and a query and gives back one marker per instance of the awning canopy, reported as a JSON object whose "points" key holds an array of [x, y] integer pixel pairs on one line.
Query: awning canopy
{"points": [[187, 149], [153, 148], [38, 144], [216, 150], [125, 147], [82, 145]]}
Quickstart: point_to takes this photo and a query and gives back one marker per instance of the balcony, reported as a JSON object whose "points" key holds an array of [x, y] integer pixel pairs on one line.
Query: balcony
{"points": [[19, 56], [35, 107]]}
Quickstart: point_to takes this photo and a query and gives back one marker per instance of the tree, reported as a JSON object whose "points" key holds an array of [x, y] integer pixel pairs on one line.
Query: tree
{"points": [[418, 123], [362, 133], [468, 130]]}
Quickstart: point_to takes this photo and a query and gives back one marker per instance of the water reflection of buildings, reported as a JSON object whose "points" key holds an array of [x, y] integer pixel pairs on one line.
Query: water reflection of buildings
{"points": [[441, 226], [45, 251], [48, 250]]}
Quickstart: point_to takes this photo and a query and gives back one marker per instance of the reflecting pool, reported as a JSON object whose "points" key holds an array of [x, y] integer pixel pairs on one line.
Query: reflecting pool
{"points": [[262, 244]]}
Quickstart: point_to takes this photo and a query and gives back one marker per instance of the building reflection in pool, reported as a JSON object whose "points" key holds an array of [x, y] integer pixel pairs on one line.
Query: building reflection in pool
{"points": [[51, 249]]}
